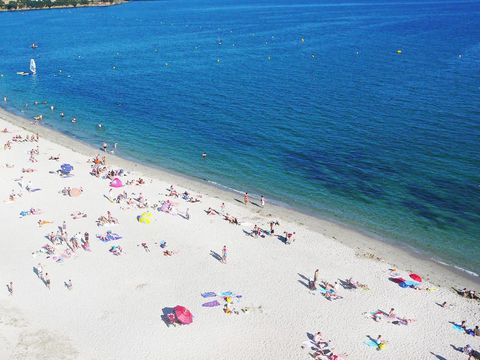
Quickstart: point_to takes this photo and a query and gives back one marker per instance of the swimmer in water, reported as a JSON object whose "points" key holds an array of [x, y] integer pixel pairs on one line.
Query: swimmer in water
{"points": [[74, 120], [104, 146], [204, 155], [52, 107], [62, 114]]}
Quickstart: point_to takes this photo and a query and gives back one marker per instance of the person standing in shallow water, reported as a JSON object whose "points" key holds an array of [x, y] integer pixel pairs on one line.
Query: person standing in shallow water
{"points": [[245, 198], [262, 201]]}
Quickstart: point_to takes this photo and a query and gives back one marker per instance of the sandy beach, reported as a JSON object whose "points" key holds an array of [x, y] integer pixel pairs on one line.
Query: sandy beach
{"points": [[122, 290]]}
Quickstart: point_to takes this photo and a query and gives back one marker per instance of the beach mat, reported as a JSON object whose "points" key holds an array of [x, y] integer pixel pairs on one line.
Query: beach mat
{"points": [[457, 327], [208, 294], [371, 343], [211, 303]]}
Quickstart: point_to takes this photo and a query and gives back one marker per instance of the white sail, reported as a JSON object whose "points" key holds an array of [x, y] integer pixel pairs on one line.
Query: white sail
{"points": [[33, 66]]}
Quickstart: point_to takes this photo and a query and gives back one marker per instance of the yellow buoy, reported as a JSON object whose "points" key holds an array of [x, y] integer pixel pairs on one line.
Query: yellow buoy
{"points": [[399, 51]]}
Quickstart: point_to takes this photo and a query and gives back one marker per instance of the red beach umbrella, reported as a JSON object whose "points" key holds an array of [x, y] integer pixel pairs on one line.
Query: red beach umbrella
{"points": [[184, 316], [416, 277]]}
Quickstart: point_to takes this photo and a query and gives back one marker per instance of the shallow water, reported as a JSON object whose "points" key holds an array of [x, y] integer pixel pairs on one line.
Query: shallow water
{"points": [[338, 124]]}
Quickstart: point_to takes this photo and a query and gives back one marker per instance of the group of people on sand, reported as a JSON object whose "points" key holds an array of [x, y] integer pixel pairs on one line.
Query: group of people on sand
{"points": [[322, 349], [107, 219]]}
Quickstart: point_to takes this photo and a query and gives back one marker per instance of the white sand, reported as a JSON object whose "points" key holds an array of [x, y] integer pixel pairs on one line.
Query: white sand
{"points": [[114, 309]]}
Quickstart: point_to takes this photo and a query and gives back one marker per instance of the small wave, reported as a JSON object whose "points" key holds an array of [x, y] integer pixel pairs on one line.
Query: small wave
{"points": [[472, 273], [224, 187]]}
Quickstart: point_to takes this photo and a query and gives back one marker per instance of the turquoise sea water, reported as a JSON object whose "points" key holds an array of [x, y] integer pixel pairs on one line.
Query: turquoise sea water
{"points": [[338, 124]]}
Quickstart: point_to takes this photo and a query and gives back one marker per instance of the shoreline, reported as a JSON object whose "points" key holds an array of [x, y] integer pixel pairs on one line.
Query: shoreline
{"points": [[364, 244], [117, 2]]}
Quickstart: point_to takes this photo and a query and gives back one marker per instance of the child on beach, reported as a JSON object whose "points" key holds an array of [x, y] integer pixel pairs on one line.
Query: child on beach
{"points": [[224, 254]]}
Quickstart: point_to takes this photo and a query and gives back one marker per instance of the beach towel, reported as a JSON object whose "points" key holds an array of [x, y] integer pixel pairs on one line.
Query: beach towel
{"points": [[410, 283], [211, 303], [24, 213], [371, 343], [226, 293], [208, 294], [457, 327]]}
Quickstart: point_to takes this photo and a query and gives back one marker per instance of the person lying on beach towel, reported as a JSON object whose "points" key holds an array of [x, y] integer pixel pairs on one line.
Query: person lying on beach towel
{"points": [[231, 219], [56, 158], [28, 170], [116, 250], [211, 211], [44, 222]]}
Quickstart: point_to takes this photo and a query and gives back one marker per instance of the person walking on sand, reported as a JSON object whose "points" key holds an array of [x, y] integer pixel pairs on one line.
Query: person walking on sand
{"points": [[64, 227], [262, 201], [224, 254], [69, 284], [46, 280], [245, 198], [10, 288], [315, 280], [222, 208], [187, 215]]}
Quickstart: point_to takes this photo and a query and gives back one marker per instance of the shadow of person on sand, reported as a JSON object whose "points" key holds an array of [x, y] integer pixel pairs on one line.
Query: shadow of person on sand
{"points": [[305, 281], [439, 357], [345, 284], [215, 255], [247, 233], [457, 348]]}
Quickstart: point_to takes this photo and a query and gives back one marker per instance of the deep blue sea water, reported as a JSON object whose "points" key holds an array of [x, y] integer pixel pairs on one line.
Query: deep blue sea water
{"points": [[337, 124]]}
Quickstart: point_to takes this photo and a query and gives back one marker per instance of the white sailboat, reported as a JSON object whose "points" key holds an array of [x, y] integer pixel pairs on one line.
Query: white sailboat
{"points": [[33, 67]]}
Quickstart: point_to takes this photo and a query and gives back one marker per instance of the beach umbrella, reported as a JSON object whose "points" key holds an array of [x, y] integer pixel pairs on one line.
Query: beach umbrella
{"points": [[75, 192], [145, 218], [416, 277], [66, 168], [116, 183], [183, 315]]}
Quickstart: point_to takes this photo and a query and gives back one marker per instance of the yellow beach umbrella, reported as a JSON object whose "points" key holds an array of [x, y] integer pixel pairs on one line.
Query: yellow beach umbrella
{"points": [[145, 218]]}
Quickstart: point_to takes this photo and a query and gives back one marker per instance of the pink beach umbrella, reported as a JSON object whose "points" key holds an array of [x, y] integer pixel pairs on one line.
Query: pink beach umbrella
{"points": [[416, 277], [184, 316], [116, 183]]}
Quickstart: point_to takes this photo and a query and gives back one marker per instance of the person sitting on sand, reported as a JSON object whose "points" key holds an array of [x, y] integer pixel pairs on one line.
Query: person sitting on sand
{"points": [[145, 246], [168, 253], [289, 236], [391, 314], [211, 211]]}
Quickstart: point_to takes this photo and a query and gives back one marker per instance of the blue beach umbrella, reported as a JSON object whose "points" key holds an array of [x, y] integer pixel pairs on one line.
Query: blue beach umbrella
{"points": [[66, 168]]}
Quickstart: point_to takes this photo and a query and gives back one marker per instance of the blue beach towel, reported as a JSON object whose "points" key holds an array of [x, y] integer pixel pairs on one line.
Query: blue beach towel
{"points": [[208, 294], [371, 343], [457, 327], [226, 293], [211, 303]]}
